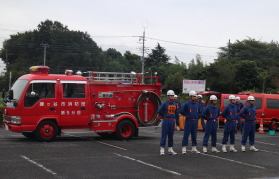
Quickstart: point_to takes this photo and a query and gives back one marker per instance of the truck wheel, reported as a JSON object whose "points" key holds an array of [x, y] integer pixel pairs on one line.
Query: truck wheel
{"points": [[46, 131], [29, 134], [273, 125], [125, 130]]}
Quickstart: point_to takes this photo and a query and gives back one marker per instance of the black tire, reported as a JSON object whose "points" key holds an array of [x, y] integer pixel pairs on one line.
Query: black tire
{"points": [[29, 135], [125, 130], [46, 131], [273, 125]]}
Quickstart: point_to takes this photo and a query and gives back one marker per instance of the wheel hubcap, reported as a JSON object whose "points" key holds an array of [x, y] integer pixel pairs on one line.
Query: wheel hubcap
{"points": [[47, 131], [126, 130]]}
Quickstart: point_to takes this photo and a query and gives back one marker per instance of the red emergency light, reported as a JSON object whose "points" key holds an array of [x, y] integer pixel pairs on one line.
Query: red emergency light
{"points": [[39, 69]]}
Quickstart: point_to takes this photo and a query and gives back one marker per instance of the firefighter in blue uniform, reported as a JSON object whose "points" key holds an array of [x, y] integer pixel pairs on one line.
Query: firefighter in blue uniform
{"points": [[249, 113], [190, 109], [239, 106], [211, 114], [201, 106], [168, 110], [178, 106], [230, 127]]}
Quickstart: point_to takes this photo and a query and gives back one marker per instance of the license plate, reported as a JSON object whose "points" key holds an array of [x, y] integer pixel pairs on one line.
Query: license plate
{"points": [[6, 127]]}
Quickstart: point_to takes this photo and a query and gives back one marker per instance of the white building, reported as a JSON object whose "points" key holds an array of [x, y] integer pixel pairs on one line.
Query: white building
{"points": [[2, 67]]}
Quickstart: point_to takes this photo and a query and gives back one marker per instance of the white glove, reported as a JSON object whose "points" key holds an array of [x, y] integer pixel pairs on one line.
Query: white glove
{"points": [[177, 128]]}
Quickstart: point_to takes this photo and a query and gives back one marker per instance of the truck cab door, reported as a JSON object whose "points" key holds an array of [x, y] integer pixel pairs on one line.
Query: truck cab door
{"points": [[40, 101], [74, 103]]}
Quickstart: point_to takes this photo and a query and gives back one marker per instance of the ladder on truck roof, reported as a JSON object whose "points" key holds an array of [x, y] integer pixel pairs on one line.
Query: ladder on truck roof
{"points": [[111, 77]]}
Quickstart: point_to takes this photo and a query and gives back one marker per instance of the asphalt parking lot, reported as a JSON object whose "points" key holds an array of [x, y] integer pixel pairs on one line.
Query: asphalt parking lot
{"points": [[87, 155]]}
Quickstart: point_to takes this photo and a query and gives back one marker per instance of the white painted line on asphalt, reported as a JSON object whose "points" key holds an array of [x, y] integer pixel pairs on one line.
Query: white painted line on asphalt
{"points": [[98, 142], [148, 164], [39, 165], [258, 142], [268, 151], [235, 161], [264, 143]]}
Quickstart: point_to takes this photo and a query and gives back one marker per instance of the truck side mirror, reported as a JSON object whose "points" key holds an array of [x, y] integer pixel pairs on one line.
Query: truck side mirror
{"points": [[3, 93], [11, 94]]}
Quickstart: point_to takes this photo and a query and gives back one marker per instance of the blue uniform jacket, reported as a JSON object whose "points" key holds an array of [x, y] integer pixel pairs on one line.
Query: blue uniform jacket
{"points": [[201, 107], [210, 113], [239, 107], [178, 105], [190, 109], [230, 112], [249, 113], [167, 109]]}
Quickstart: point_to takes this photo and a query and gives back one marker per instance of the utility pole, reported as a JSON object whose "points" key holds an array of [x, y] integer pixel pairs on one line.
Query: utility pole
{"points": [[7, 54], [45, 46], [142, 58]]}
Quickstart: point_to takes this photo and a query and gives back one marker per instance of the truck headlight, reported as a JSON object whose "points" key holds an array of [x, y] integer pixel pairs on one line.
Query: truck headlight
{"points": [[16, 119]]}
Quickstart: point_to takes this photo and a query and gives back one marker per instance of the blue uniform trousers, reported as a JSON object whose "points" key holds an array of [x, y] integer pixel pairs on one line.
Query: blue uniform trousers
{"points": [[167, 131], [177, 118], [249, 130], [190, 127], [202, 123], [210, 130], [229, 130]]}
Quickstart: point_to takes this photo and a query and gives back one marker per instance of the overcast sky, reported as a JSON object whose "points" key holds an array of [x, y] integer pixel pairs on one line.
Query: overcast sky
{"points": [[207, 23]]}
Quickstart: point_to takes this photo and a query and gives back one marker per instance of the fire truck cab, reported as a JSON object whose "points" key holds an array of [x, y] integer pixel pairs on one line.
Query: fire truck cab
{"points": [[44, 105]]}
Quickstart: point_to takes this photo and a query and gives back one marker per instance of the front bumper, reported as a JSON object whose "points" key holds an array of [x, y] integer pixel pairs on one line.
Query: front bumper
{"points": [[12, 127]]}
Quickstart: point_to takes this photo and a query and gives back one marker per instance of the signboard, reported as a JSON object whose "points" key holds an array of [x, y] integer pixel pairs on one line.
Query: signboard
{"points": [[193, 85]]}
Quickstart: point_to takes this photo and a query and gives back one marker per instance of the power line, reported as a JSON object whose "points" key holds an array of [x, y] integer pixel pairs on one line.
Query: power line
{"points": [[180, 43]]}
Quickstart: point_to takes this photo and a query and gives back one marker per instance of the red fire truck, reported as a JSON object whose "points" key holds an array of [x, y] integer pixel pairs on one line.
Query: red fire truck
{"points": [[44, 105]]}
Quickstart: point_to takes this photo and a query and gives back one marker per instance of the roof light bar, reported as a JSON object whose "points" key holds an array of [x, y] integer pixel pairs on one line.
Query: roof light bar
{"points": [[39, 69]]}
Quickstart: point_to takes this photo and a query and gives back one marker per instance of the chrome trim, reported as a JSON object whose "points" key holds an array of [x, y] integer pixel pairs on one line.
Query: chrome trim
{"points": [[42, 81], [75, 130], [71, 81], [106, 121]]}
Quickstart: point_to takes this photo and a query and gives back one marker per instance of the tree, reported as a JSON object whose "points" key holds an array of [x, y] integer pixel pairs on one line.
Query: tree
{"points": [[133, 61], [174, 82], [246, 75], [196, 69], [220, 76], [157, 57]]}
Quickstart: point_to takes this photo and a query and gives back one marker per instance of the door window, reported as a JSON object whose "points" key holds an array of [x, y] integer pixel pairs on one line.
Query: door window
{"points": [[39, 90], [73, 90], [272, 103], [258, 103]]}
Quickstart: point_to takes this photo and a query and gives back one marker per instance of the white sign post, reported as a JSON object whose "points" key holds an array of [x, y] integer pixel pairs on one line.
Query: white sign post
{"points": [[193, 85]]}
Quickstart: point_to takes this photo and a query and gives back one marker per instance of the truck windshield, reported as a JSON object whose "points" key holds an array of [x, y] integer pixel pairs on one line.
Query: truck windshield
{"points": [[18, 87]]}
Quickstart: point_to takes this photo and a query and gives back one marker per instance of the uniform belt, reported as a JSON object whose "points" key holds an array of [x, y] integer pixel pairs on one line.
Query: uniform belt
{"points": [[212, 120], [231, 120], [249, 121], [169, 118], [190, 119]]}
